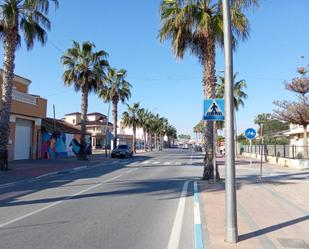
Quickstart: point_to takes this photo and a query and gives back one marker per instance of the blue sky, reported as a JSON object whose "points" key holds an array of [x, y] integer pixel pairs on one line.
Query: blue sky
{"points": [[127, 30]]}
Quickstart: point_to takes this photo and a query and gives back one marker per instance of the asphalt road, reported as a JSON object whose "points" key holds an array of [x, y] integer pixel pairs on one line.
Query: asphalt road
{"points": [[140, 203]]}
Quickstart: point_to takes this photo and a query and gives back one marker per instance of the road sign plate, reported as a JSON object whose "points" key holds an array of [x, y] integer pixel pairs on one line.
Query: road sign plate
{"points": [[213, 109], [250, 133]]}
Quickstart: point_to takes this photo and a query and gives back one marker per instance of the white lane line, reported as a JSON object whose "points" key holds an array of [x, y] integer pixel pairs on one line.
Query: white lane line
{"points": [[198, 239], [113, 178], [177, 226], [47, 207], [131, 170], [156, 162], [56, 203], [167, 163]]}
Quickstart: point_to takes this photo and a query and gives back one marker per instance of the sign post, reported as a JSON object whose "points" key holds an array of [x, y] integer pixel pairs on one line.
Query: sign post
{"points": [[214, 111], [250, 134]]}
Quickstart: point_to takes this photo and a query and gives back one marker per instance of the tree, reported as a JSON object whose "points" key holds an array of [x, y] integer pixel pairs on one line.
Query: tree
{"points": [[238, 89], [197, 25], [184, 136], [296, 112], [171, 134], [144, 116], [131, 119], [199, 128], [261, 120], [86, 71], [115, 89], [28, 17]]}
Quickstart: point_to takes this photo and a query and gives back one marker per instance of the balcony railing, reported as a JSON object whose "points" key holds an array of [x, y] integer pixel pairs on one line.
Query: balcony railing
{"points": [[24, 97]]}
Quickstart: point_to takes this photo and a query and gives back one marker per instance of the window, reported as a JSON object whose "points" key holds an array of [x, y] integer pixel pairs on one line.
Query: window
{"points": [[73, 121]]}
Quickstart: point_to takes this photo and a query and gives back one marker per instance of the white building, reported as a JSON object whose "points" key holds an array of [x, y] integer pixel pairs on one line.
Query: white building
{"points": [[125, 135], [296, 134]]}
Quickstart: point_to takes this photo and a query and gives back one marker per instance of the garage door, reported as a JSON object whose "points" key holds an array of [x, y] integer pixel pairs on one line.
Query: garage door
{"points": [[23, 135]]}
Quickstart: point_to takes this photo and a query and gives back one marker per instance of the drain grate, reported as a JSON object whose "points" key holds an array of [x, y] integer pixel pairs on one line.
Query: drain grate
{"points": [[293, 243]]}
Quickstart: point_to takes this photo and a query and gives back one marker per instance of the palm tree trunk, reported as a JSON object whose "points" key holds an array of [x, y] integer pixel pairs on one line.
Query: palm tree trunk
{"points": [[145, 140], [156, 141], [150, 141], [209, 81], [10, 38], [115, 118], [305, 142], [82, 152], [134, 139]]}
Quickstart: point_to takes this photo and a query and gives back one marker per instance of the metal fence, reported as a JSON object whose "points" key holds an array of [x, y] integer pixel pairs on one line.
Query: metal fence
{"points": [[278, 150]]}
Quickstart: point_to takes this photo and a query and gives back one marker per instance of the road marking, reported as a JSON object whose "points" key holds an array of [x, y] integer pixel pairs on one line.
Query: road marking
{"points": [[167, 163], [131, 170], [198, 239], [56, 203], [177, 226], [47, 207], [178, 163], [113, 178], [145, 162], [155, 162]]}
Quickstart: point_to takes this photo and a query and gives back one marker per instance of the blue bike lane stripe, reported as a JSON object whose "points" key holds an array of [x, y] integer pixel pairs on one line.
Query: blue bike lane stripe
{"points": [[197, 220]]}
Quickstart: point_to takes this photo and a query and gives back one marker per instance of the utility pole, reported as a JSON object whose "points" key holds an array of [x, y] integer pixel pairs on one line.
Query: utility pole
{"points": [[231, 234]]}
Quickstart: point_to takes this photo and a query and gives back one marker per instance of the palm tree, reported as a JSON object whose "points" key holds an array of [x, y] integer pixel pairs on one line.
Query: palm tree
{"points": [[131, 118], [150, 127], [260, 120], [239, 97], [115, 89], [197, 25], [85, 70], [171, 134], [239, 94], [162, 130], [144, 115], [18, 16]]}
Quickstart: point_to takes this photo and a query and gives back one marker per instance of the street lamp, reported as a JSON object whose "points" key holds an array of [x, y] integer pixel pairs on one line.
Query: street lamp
{"points": [[231, 234]]}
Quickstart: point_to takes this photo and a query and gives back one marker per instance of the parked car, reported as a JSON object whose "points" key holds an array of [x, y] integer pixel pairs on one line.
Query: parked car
{"points": [[122, 150], [198, 148]]}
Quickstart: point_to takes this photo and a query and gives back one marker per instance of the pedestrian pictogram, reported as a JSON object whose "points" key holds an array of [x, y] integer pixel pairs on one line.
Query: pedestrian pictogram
{"points": [[214, 109]]}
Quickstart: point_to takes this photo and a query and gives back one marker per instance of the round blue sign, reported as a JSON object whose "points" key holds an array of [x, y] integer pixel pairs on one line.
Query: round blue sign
{"points": [[250, 133]]}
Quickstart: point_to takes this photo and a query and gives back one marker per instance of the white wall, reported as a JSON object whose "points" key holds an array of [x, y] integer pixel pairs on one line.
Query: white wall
{"points": [[121, 129]]}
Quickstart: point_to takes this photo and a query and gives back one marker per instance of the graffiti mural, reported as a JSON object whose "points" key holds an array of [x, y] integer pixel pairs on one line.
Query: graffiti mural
{"points": [[60, 145]]}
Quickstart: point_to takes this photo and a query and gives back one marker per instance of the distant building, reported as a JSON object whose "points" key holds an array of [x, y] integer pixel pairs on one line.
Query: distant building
{"points": [[296, 134], [125, 135], [27, 112], [95, 125]]}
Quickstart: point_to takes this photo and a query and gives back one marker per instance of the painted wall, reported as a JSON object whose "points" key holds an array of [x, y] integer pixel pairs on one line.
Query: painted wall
{"points": [[61, 145]]}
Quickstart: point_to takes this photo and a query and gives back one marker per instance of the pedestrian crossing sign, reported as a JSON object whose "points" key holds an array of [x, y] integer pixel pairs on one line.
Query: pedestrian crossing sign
{"points": [[213, 109]]}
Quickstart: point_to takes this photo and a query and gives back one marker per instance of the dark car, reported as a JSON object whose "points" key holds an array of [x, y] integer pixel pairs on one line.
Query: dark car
{"points": [[198, 148], [122, 150]]}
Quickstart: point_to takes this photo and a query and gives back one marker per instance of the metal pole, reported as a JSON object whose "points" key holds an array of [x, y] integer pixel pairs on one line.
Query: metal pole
{"points": [[262, 152], [214, 157], [250, 152], [231, 234], [109, 107]]}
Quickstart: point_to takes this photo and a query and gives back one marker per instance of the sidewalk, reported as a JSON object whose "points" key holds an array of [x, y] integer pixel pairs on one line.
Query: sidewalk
{"points": [[27, 169], [272, 213]]}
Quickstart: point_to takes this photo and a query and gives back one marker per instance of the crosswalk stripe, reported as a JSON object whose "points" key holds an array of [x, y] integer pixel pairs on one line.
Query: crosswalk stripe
{"points": [[155, 162]]}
